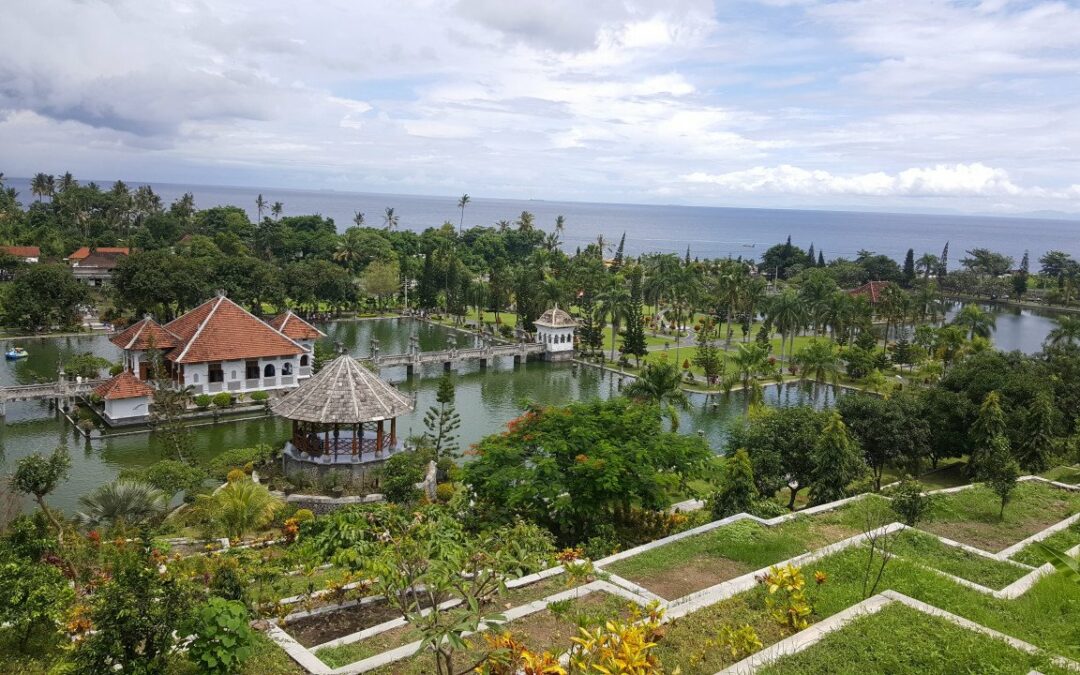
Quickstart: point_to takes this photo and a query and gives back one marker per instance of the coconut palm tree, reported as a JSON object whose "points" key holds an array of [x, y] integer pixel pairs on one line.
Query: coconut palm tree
{"points": [[462, 203], [1067, 332], [819, 360], [122, 502], [350, 248], [260, 206], [927, 264], [975, 321], [658, 384], [614, 301], [503, 225], [749, 362], [390, 219], [560, 223], [277, 209], [39, 185], [787, 313], [67, 181], [358, 218], [525, 222]]}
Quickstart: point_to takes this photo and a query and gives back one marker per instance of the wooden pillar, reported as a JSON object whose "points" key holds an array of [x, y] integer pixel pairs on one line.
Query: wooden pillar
{"points": [[393, 432], [378, 438], [355, 440]]}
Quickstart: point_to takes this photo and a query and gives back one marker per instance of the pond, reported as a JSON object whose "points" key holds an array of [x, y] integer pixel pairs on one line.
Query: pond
{"points": [[1017, 328], [486, 400]]}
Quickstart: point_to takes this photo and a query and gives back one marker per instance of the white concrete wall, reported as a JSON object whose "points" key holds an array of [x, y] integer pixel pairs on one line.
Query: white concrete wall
{"points": [[555, 339], [127, 407], [236, 381]]}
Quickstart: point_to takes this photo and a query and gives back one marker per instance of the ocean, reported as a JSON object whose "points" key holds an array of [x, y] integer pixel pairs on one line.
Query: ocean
{"points": [[709, 232]]}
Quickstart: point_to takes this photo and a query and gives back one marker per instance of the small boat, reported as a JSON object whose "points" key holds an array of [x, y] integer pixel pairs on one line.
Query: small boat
{"points": [[16, 353]]}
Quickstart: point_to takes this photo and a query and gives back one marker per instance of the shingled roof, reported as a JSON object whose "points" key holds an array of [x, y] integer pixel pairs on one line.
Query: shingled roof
{"points": [[84, 251], [343, 392], [556, 318], [221, 330], [871, 290], [292, 326], [124, 385], [143, 335]]}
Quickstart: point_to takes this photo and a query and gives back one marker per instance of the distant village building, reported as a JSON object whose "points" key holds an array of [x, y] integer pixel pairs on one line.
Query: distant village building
{"points": [[28, 254], [555, 330], [220, 347], [94, 267]]}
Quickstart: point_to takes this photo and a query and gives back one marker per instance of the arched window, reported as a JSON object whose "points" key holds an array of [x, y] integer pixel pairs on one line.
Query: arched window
{"points": [[269, 371], [303, 360], [286, 368]]}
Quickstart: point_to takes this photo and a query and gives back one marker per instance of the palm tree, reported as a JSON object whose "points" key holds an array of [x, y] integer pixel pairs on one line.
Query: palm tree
{"points": [[390, 219], [614, 300], [820, 360], [525, 222], [927, 264], [744, 366], [503, 225], [658, 384], [358, 218], [122, 502], [975, 321], [239, 507], [1067, 332], [277, 209], [787, 313], [67, 181], [260, 206], [39, 185], [350, 248], [462, 203], [560, 223]]}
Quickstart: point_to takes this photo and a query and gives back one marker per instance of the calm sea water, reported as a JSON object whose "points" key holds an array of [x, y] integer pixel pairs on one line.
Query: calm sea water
{"points": [[706, 231]]}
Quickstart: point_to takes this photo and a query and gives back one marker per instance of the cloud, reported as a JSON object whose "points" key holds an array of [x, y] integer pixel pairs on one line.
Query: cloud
{"points": [[958, 180]]}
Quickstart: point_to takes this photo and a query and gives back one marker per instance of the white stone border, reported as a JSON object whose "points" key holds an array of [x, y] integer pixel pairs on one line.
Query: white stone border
{"points": [[810, 636]]}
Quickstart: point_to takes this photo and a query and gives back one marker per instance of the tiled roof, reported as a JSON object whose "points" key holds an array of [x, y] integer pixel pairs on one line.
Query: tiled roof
{"points": [[221, 330], [556, 318], [84, 251], [22, 251], [343, 392], [124, 385], [99, 260], [294, 327], [871, 290], [140, 335]]}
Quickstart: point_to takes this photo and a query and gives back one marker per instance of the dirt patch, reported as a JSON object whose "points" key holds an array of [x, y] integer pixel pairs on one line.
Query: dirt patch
{"points": [[315, 630], [700, 572], [989, 536], [551, 630]]}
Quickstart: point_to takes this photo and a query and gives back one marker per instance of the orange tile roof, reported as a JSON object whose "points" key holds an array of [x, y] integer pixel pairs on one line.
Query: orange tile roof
{"points": [[139, 336], [290, 325], [871, 290], [22, 251], [84, 251], [124, 385], [221, 330]]}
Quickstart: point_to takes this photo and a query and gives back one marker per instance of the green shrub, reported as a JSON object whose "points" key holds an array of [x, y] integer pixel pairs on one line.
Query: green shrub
{"points": [[223, 639], [116, 369], [303, 515], [444, 492], [234, 458], [909, 502], [399, 476], [767, 508], [258, 396], [203, 401], [170, 476], [222, 400]]}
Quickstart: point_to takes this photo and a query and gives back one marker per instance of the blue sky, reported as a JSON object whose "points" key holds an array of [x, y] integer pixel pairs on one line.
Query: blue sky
{"points": [[877, 104]]}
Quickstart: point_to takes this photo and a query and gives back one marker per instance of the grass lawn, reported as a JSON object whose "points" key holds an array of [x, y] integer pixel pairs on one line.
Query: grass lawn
{"points": [[698, 562], [1044, 616], [928, 550], [899, 639], [971, 516], [951, 472], [1062, 541], [1064, 474]]}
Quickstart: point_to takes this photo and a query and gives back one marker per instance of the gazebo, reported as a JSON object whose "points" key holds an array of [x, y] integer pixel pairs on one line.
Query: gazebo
{"points": [[345, 414]]}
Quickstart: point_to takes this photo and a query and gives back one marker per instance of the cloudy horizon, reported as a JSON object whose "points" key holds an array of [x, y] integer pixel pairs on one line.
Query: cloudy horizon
{"points": [[920, 105]]}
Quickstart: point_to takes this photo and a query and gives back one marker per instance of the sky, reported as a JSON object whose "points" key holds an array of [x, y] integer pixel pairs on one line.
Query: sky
{"points": [[876, 104]]}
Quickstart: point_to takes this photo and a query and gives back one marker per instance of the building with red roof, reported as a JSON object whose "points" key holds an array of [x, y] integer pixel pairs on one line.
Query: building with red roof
{"points": [[126, 397], [96, 267], [871, 290], [83, 252], [221, 347], [29, 254]]}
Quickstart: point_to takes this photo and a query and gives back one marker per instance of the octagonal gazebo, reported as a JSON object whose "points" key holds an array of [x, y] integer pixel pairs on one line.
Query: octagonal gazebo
{"points": [[345, 414]]}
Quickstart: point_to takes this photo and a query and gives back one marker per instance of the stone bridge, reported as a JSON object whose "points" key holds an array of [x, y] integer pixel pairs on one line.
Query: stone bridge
{"points": [[51, 391], [448, 357]]}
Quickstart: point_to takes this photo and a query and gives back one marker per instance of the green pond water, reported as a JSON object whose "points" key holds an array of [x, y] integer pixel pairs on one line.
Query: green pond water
{"points": [[486, 400]]}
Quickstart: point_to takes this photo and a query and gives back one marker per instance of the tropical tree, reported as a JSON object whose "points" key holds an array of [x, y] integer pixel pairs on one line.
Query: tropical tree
{"points": [[748, 363], [390, 219], [525, 222], [975, 321], [1067, 331], [560, 225], [122, 502], [38, 476], [736, 492], [39, 185], [239, 507], [787, 313], [989, 424], [260, 206], [659, 384], [614, 302], [358, 218], [462, 203], [277, 209], [442, 421], [927, 264], [820, 360], [837, 462]]}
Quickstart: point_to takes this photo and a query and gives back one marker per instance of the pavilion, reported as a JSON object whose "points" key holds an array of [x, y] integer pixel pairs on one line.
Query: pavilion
{"points": [[343, 416]]}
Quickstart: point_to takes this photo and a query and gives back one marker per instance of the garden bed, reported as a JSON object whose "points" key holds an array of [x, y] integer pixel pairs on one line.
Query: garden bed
{"points": [[928, 550], [1062, 540], [326, 626], [900, 639], [971, 516], [701, 561]]}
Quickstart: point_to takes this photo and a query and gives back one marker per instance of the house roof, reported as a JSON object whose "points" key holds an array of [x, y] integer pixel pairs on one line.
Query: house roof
{"points": [[99, 259], [22, 251], [84, 251], [556, 318], [870, 290], [143, 335], [221, 330], [294, 327], [124, 385], [343, 392]]}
